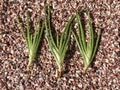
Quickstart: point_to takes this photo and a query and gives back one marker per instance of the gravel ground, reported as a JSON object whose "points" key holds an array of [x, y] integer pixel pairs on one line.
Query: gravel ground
{"points": [[104, 73]]}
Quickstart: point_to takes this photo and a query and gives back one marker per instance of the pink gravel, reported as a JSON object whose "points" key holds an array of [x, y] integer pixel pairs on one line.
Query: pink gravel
{"points": [[103, 74]]}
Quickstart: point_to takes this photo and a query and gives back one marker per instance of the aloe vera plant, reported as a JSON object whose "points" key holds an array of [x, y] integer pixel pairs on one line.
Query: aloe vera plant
{"points": [[59, 44], [32, 39], [87, 48]]}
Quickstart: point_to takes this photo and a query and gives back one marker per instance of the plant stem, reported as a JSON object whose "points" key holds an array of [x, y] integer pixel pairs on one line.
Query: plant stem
{"points": [[60, 72]]}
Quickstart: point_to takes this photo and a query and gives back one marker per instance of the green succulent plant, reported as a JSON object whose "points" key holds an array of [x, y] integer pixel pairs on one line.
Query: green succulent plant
{"points": [[87, 48], [32, 37], [59, 44]]}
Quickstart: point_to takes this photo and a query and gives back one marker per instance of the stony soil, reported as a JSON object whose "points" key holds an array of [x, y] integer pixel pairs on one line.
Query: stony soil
{"points": [[103, 74]]}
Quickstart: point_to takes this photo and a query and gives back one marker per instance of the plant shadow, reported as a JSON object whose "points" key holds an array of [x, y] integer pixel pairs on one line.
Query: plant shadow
{"points": [[94, 59], [69, 55]]}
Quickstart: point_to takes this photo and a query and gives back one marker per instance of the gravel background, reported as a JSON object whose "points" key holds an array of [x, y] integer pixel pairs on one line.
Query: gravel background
{"points": [[104, 74]]}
